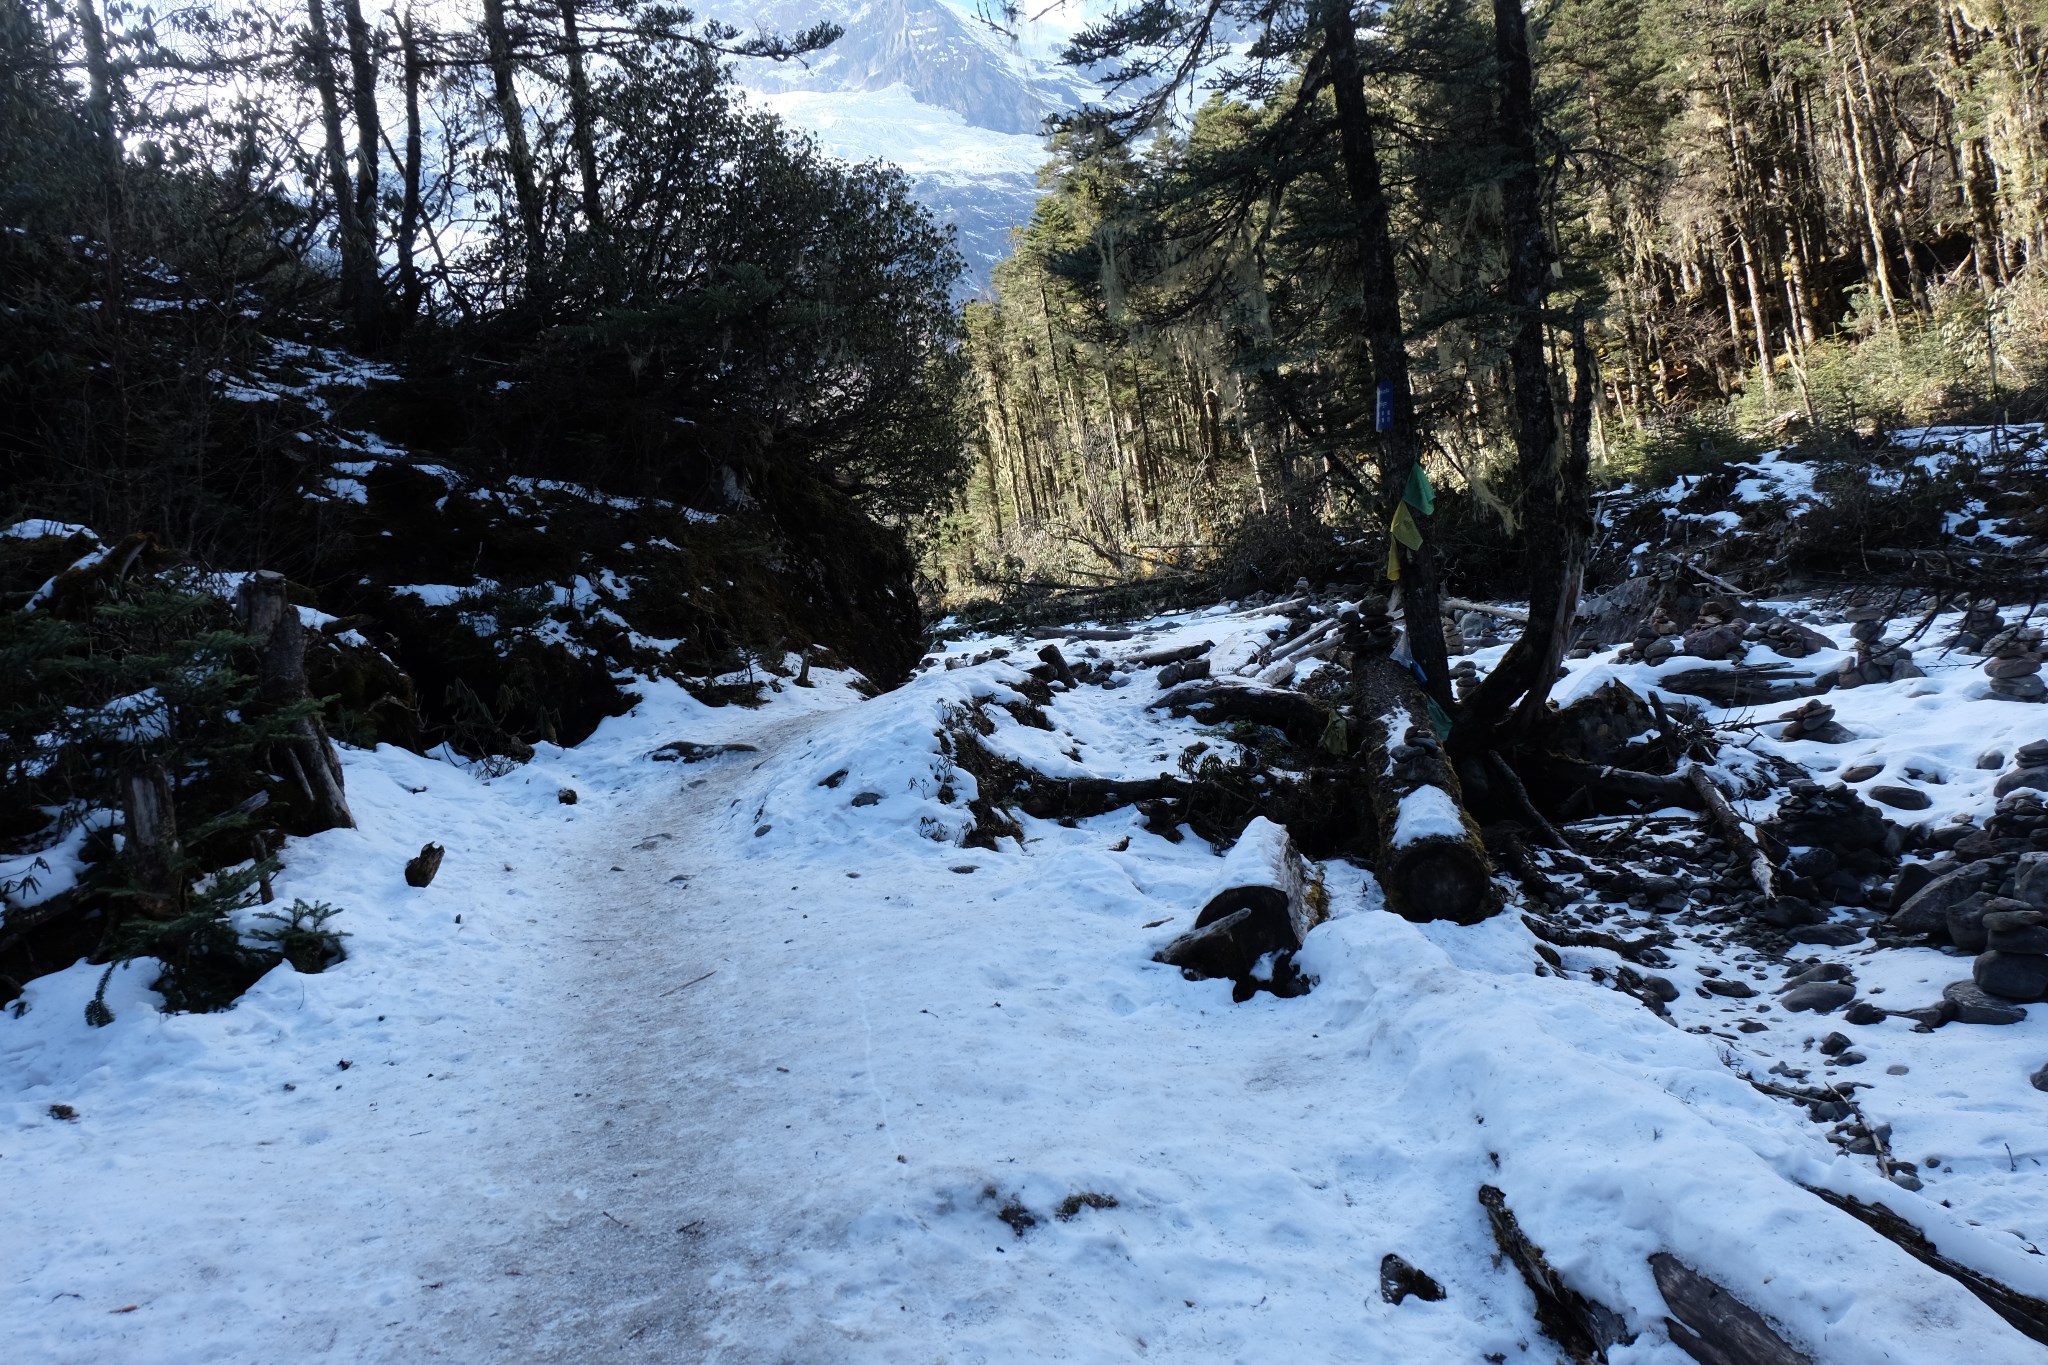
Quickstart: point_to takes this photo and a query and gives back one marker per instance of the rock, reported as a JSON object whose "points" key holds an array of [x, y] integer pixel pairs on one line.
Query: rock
{"points": [[1715, 642], [1815, 863], [1661, 988], [2030, 880], [1990, 760], [1657, 651], [866, 798], [1822, 997], [2039, 1080], [1912, 877], [1806, 637], [2016, 931], [1862, 772], [1834, 1043], [2012, 976], [2032, 755], [1902, 669], [2029, 688], [1901, 798], [2022, 779], [1187, 670], [2018, 666], [420, 870], [1851, 1059], [567, 796], [1965, 921], [1969, 1004], [1863, 1012], [1926, 910], [1828, 935], [1789, 912], [1866, 631], [1728, 990], [1399, 1279], [1825, 971]]}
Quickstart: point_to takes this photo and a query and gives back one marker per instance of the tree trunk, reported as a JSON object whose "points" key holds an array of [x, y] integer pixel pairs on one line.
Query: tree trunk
{"points": [[358, 256], [410, 213], [518, 153], [1554, 486], [581, 119], [1400, 449], [363, 72], [307, 756], [150, 821]]}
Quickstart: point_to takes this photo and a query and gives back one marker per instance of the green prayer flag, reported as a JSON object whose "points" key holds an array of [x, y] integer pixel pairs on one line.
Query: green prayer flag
{"points": [[1419, 494]]}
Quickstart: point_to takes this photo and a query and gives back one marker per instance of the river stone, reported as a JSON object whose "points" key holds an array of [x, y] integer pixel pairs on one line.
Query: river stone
{"points": [[1862, 772], [1965, 921], [1926, 910], [2023, 779], [1728, 989], [2016, 931], [2030, 880], [2018, 666], [1715, 642], [2029, 688], [2012, 976], [1969, 1004], [1901, 798], [1827, 935], [2033, 754], [1822, 997], [1863, 1012]]}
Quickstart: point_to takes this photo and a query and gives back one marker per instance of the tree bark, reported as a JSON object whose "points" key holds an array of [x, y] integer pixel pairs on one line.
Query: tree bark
{"points": [[410, 212], [307, 755]]}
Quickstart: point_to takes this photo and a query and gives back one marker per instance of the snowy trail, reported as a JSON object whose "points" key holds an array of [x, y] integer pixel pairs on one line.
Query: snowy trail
{"points": [[749, 1061]]}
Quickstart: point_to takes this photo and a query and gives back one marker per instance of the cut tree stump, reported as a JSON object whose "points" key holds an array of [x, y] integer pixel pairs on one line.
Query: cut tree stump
{"points": [[150, 820], [1432, 864], [1713, 1326], [307, 756], [420, 870]]}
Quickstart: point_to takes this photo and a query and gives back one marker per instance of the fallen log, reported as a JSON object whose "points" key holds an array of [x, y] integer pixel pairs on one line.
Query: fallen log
{"points": [[2028, 1315], [1449, 605], [1626, 784], [1584, 1328], [1264, 908], [1301, 718], [1713, 1326], [1180, 654], [1732, 832], [1079, 633], [1432, 864]]}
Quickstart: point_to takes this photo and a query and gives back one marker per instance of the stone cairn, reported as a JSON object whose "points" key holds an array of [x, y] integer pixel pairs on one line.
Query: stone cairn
{"points": [[1877, 660], [2013, 663], [1989, 897]]}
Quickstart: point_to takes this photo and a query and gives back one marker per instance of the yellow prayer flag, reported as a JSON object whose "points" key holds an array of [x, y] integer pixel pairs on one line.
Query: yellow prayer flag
{"points": [[1404, 528]]}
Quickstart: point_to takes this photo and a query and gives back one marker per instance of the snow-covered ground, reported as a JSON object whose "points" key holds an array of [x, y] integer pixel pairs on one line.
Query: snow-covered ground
{"points": [[749, 1059]]}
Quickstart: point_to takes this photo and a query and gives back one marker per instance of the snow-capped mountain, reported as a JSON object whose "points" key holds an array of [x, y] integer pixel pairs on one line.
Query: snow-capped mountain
{"points": [[936, 86]]}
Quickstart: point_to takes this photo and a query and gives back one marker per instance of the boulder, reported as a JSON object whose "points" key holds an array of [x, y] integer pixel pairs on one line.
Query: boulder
{"points": [[1822, 997], [1926, 910], [2030, 880], [1965, 921], [1901, 798], [2016, 931], [1968, 1003], [2012, 976], [2022, 779]]}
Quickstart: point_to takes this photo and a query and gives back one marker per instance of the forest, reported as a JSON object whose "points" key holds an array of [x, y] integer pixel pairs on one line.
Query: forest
{"points": [[1715, 225]]}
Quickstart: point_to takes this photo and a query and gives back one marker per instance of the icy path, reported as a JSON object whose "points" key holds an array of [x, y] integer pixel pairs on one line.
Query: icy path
{"points": [[675, 1090]]}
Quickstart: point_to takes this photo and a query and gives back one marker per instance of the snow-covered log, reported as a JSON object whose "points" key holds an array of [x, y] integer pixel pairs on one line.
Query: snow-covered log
{"points": [[1713, 1326], [1431, 864], [1265, 906]]}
